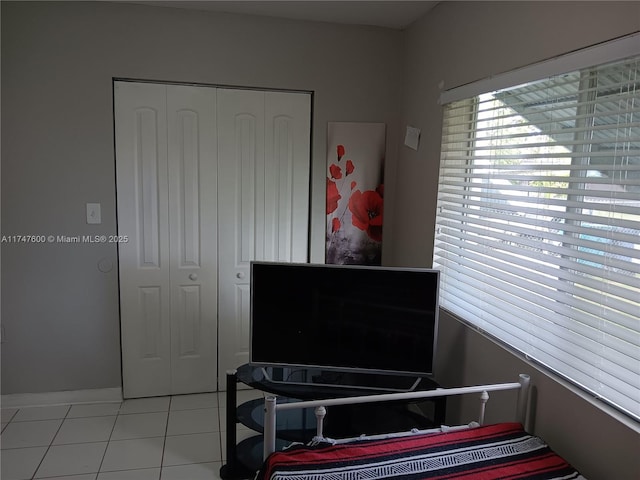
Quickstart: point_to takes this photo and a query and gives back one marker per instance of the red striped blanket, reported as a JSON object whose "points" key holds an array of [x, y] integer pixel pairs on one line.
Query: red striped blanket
{"points": [[503, 451]]}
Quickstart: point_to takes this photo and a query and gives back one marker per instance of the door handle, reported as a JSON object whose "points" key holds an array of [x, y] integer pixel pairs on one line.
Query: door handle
{"points": [[240, 275], [193, 276]]}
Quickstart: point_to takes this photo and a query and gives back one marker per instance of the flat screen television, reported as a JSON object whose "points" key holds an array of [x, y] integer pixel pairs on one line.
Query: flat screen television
{"points": [[344, 317]]}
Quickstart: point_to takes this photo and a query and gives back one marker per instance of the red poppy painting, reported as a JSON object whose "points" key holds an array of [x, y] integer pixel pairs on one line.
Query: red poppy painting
{"points": [[350, 167], [333, 196], [355, 193], [335, 171], [366, 212]]}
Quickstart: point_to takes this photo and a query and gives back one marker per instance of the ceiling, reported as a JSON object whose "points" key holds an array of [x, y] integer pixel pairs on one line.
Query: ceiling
{"points": [[395, 14]]}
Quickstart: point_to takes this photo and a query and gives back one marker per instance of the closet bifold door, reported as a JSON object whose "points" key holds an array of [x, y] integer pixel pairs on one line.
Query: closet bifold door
{"points": [[166, 192], [207, 180], [143, 216], [193, 243], [263, 191]]}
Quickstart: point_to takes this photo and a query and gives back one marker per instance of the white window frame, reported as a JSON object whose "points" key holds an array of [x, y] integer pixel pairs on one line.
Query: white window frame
{"points": [[476, 310], [606, 52]]}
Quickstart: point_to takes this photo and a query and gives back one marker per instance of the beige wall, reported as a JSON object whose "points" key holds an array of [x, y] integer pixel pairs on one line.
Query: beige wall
{"points": [[457, 43], [460, 42], [59, 311]]}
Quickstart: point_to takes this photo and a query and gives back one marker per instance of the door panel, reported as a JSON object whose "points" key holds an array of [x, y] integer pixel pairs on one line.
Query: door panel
{"points": [[141, 171], [190, 325], [287, 147], [263, 162], [167, 205], [149, 158], [191, 124], [150, 305], [240, 163], [208, 180]]}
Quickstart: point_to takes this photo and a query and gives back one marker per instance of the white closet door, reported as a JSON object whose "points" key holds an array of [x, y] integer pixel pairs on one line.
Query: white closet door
{"points": [[286, 179], [207, 181], [240, 167], [141, 171], [193, 242], [167, 206], [263, 172]]}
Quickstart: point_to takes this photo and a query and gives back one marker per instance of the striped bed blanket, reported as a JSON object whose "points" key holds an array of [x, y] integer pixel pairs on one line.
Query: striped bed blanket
{"points": [[502, 451]]}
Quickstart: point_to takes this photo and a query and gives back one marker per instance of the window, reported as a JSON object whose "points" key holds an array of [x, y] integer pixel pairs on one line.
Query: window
{"points": [[538, 223]]}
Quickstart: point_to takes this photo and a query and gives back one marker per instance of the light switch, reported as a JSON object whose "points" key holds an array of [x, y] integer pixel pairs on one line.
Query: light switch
{"points": [[93, 213], [412, 137]]}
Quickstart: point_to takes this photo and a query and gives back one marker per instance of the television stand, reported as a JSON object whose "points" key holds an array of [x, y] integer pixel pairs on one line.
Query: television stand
{"points": [[244, 458], [380, 382]]}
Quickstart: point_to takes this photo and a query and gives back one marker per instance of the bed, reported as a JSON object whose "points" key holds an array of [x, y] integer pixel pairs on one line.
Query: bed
{"points": [[472, 451]]}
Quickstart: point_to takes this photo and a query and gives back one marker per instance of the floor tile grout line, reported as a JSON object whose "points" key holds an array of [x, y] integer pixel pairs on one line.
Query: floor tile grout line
{"points": [[94, 416], [35, 472], [106, 448], [12, 417], [220, 448], [117, 414], [164, 442], [151, 468], [51, 444]]}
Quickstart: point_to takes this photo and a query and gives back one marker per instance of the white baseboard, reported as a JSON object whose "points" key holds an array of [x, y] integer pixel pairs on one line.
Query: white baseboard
{"points": [[98, 395]]}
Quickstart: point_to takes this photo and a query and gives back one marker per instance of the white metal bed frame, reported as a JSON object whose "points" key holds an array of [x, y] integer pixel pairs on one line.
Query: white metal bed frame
{"points": [[272, 407]]}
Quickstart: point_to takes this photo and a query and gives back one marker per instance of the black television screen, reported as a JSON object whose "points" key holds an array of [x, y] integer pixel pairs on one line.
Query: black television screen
{"points": [[344, 317]]}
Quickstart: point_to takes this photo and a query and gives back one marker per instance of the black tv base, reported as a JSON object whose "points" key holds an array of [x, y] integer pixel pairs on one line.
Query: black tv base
{"points": [[244, 459], [341, 379]]}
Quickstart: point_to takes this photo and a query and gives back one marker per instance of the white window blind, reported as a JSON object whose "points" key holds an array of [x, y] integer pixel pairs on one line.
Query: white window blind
{"points": [[538, 223]]}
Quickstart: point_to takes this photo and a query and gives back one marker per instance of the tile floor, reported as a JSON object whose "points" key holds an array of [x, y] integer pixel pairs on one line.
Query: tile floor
{"points": [[162, 438]]}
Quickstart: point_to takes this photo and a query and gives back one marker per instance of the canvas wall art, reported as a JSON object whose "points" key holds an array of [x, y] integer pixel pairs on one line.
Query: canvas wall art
{"points": [[355, 192]]}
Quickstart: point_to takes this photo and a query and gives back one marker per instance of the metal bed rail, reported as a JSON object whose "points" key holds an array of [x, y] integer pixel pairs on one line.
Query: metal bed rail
{"points": [[272, 407]]}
